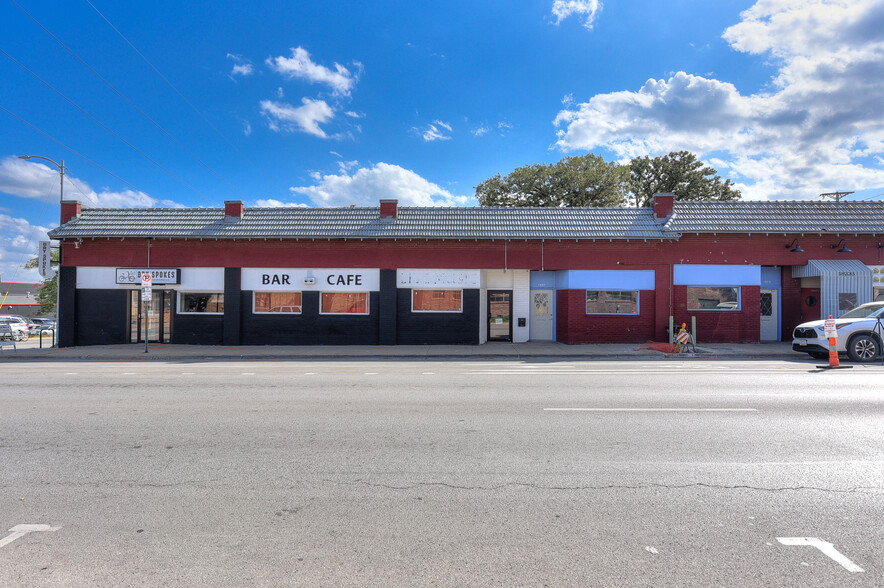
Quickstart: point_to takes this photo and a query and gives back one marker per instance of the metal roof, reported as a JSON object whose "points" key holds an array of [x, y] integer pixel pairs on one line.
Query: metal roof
{"points": [[777, 217], [340, 223], [481, 222]]}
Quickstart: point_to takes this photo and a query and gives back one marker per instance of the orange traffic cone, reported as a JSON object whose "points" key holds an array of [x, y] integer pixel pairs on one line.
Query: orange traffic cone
{"points": [[833, 354]]}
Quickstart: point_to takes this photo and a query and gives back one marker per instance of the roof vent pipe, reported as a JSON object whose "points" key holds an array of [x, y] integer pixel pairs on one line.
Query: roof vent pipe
{"points": [[389, 208]]}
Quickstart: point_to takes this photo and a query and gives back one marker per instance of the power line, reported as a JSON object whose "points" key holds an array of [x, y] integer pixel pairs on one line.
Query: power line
{"points": [[165, 79], [129, 102], [50, 137], [102, 125]]}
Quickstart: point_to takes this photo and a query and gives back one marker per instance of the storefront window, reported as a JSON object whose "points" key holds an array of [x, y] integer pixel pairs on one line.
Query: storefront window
{"points": [[713, 298], [437, 300], [878, 294], [207, 302], [287, 302], [344, 303], [612, 302]]}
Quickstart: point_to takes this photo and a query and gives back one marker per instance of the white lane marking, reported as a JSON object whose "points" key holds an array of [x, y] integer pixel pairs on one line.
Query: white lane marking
{"points": [[130, 373], [824, 546], [651, 409], [371, 373], [22, 530], [71, 373], [248, 373], [309, 373], [186, 373], [428, 373], [650, 549]]}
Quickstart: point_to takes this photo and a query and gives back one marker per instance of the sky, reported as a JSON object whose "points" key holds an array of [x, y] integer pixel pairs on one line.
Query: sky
{"points": [[289, 103]]}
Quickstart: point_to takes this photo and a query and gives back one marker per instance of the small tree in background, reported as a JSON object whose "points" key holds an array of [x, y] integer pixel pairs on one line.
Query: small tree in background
{"points": [[680, 173], [48, 294]]}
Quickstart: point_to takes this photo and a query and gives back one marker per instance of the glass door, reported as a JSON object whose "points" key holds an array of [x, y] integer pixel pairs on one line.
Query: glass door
{"points": [[500, 312], [159, 317]]}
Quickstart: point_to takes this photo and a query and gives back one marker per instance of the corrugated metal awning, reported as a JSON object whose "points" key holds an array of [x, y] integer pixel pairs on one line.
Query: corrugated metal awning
{"points": [[838, 277]]}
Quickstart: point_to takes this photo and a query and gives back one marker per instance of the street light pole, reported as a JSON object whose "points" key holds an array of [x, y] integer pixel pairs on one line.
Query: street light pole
{"points": [[61, 168]]}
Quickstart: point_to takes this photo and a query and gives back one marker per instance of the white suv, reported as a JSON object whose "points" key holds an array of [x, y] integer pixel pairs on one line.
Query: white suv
{"points": [[860, 334]]}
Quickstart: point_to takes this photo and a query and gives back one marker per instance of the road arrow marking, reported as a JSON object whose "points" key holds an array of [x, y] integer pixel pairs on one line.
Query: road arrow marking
{"points": [[823, 546], [22, 530]]}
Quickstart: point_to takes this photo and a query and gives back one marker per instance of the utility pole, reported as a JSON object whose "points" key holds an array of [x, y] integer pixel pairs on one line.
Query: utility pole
{"points": [[836, 195]]}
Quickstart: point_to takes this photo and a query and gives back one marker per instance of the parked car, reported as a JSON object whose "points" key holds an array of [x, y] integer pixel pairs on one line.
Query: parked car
{"points": [[18, 325], [41, 324], [859, 334]]}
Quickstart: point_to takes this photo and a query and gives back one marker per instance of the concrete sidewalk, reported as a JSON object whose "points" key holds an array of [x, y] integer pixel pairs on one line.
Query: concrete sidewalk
{"points": [[547, 350]]}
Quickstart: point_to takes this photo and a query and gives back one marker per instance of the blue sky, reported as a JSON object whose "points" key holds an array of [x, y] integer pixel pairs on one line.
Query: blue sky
{"points": [[336, 103]]}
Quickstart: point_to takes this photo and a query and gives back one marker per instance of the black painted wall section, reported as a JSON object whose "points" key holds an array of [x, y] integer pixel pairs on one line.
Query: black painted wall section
{"points": [[438, 328], [309, 327], [101, 317], [232, 317], [198, 329], [67, 297], [387, 309]]}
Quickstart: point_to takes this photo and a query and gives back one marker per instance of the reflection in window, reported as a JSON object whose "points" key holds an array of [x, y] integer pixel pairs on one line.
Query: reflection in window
{"points": [[846, 301], [878, 294], [437, 300], [713, 298], [278, 302], [612, 302], [344, 303], [209, 302]]}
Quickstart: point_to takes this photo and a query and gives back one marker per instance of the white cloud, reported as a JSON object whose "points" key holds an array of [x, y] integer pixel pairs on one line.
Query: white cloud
{"points": [[587, 9], [247, 128], [271, 203], [480, 130], [241, 65], [435, 131], [29, 179], [367, 186], [817, 129], [246, 69], [18, 244], [305, 118], [340, 79]]}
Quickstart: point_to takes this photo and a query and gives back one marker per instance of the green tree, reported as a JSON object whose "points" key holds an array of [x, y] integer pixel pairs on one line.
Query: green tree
{"points": [[680, 173], [48, 294], [585, 180]]}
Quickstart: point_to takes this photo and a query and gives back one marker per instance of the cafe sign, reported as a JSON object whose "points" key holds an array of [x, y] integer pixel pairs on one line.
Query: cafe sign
{"points": [[158, 275]]}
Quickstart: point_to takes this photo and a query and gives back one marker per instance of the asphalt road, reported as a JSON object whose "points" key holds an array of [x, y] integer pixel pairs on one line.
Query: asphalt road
{"points": [[441, 473]]}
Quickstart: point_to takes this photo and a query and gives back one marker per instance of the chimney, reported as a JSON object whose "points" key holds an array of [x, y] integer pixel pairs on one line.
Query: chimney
{"points": [[389, 208], [663, 204], [70, 209], [233, 210]]}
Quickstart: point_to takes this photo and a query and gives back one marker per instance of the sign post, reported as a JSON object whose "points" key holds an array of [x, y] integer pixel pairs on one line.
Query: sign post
{"points": [[146, 295]]}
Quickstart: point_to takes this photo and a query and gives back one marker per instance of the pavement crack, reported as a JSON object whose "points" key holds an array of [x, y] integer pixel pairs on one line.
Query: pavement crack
{"points": [[853, 490]]}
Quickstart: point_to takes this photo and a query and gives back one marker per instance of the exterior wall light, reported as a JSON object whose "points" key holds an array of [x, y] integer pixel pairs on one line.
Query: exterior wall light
{"points": [[794, 247], [843, 247]]}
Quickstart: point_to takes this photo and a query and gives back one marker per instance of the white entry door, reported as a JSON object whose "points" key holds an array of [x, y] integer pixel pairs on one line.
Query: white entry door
{"points": [[541, 315], [769, 316]]}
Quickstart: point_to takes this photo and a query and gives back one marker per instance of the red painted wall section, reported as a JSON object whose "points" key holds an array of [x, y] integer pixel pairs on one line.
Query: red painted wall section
{"points": [[722, 326], [470, 254], [574, 326], [790, 309]]}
